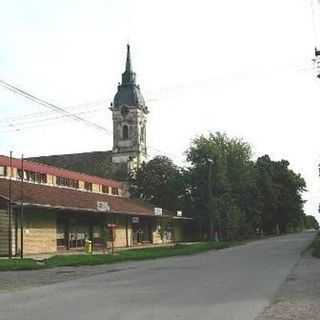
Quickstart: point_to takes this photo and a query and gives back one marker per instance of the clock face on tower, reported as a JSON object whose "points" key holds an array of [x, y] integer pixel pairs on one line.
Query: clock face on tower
{"points": [[124, 110]]}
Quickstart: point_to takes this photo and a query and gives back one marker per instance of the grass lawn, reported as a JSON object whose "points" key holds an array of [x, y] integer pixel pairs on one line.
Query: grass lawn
{"points": [[17, 264], [121, 256], [315, 247]]}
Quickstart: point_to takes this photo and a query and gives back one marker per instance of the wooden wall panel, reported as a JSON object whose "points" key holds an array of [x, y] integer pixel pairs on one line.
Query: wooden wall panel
{"points": [[40, 232]]}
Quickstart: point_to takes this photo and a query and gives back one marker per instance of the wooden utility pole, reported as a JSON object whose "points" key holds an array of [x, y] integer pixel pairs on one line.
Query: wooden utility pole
{"points": [[10, 209], [21, 207]]}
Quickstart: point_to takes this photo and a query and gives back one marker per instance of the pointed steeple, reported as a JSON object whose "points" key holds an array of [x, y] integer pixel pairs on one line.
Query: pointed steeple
{"points": [[129, 92], [128, 62], [128, 77]]}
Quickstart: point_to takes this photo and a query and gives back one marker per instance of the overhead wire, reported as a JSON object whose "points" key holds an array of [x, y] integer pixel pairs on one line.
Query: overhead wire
{"points": [[78, 116], [40, 114], [63, 112], [51, 106]]}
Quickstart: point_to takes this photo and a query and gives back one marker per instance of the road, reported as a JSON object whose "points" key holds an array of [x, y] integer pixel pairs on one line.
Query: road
{"points": [[231, 284]]}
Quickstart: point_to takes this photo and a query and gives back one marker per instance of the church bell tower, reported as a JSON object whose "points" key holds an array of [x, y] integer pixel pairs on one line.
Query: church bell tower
{"points": [[129, 115]]}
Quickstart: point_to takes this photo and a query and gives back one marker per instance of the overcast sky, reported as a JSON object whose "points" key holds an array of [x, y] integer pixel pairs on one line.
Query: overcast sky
{"points": [[240, 67]]}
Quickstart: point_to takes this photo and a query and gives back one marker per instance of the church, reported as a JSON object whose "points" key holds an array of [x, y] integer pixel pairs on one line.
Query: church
{"points": [[129, 115], [55, 203]]}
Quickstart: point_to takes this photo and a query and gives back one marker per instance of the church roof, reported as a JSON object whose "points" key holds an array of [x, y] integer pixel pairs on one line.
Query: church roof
{"points": [[96, 163], [48, 168], [128, 91]]}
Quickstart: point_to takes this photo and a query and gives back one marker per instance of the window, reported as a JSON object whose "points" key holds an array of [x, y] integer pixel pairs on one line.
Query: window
{"points": [[30, 176], [125, 132], [142, 134], [41, 177], [115, 191], [3, 171], [67, 182], [105, 189], [88, 186]]}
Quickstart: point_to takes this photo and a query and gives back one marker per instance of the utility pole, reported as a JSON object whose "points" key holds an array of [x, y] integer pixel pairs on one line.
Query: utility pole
{"points": [[10, 209], [21, 207]]}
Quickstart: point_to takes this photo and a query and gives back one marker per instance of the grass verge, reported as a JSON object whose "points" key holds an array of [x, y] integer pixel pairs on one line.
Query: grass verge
{"points": [[17, 264], [315, 246], [121, 256]]}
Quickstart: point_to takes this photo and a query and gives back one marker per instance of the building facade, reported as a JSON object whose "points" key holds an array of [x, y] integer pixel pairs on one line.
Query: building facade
{"points": [[54, 210]]}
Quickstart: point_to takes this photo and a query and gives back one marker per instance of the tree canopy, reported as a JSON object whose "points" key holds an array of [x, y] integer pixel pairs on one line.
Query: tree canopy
{"points": [[226, 192]]}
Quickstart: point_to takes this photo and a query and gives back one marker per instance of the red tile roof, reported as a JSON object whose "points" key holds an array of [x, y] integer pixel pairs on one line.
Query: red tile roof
{"points": [[55, 197], [54, 171]]}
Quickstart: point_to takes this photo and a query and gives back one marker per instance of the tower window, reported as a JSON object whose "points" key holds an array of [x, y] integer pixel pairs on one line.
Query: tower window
{"points": [[125, 132]]}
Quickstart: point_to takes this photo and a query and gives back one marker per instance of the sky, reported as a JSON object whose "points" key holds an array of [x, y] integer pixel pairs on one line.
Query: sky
{"points": [[239, 67]]}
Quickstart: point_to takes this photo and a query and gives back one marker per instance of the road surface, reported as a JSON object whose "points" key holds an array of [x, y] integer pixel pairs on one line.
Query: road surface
{"points": [[232, 284]]}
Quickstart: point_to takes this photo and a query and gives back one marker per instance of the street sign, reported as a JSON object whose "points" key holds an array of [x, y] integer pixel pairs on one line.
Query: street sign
{"points": [[103, 206], [158, 211], [179, 213], [111, 225]]}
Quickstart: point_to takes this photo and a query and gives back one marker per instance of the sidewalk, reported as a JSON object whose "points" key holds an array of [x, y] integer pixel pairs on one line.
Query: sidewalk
{"points": [[299, 297]]}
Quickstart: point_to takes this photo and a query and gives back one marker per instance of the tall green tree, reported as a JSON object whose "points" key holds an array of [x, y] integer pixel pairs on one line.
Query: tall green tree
{"points": [[220, 168], [159, 181], [280, 194]]}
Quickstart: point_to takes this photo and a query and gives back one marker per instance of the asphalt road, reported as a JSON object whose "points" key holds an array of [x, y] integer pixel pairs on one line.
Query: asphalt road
{"points": [[235, 283]]}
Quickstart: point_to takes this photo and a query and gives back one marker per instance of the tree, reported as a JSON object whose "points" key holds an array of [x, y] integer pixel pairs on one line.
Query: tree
{"points": [[159, 181], [280, 194], [224, 190], [220, 170], [310, 222]]}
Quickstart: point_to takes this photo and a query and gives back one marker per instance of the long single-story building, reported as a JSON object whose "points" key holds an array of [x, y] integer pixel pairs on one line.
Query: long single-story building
{"points": [[54, 210]]}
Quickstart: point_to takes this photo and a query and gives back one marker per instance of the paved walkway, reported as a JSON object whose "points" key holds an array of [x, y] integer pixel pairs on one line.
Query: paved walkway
{"points": [[299, 296], [231, 284]]}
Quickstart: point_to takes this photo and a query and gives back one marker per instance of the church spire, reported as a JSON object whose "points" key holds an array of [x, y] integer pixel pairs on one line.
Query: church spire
{"points": [[128, 77], [128, 62]]}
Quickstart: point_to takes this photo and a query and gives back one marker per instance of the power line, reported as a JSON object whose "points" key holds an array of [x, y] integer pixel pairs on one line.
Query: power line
{"points": [[51, 106], [34, 123], [39, 114], [64, 112]]}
